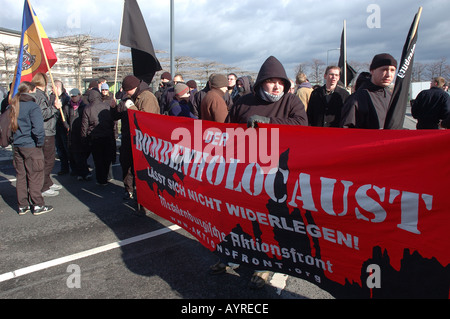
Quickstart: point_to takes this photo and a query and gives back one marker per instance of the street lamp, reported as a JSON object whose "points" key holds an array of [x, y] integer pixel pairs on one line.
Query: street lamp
{"points": [[172, 37], [328, 51]]}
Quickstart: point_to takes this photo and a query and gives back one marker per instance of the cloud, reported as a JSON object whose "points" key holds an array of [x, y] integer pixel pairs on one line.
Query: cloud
{"points": [[243, 33]]}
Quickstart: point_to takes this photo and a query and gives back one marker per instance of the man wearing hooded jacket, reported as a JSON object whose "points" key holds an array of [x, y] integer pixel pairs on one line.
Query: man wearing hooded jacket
{"points": [[271, 101]]}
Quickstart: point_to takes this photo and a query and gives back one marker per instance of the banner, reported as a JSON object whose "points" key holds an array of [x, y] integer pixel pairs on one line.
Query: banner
{"points": [[400, 96], [359, 213], [134, 34], [35, 48]]}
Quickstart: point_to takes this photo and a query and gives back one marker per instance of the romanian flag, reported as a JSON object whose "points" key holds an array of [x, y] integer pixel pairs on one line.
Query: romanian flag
{"points": [[35, 52]]}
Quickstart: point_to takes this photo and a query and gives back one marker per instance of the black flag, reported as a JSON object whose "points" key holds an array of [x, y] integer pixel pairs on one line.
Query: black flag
{"points": [[347, 72], [135, 35], [397, 107]]}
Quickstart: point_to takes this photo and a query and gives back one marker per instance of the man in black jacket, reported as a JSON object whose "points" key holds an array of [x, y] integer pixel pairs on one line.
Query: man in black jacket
{"points": [[98, 127], [367, 107], [431, 105], [325, 104]]}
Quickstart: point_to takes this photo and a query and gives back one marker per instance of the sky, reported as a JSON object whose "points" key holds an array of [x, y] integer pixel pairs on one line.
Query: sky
{"points": [[243, 33]]}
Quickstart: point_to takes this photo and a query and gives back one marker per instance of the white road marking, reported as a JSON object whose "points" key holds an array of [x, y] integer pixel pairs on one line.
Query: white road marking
{"points": [[86, 253], [8, 180]]}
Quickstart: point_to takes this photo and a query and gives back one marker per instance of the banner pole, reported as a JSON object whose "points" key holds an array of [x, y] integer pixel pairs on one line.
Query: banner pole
{"points": [[118, 51], [416, 23], [345, 55], [46, 60]]}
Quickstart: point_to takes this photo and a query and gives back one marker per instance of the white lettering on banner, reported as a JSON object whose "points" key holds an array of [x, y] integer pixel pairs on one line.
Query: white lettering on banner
{"points": [[372, 202], [406, 63]]}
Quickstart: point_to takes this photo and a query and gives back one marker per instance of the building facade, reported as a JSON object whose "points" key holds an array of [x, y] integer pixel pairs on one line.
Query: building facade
{"points": [[74, 55]]}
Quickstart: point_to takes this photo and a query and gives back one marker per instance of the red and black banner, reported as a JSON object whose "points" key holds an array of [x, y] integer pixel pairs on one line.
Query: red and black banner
{"points": [[359, 213]]}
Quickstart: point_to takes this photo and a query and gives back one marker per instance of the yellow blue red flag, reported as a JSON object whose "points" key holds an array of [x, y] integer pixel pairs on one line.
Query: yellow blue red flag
{"points": [[35, 52]]}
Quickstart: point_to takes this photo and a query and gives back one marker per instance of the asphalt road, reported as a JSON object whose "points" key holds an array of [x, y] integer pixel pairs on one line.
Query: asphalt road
{"points": [[87, 248], [95, 245]]}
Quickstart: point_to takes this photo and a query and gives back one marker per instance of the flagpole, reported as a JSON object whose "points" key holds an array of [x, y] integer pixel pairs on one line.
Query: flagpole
{"points": [[345, 55], [416, 23], [172, 36], [118, 50], [45, 58]]}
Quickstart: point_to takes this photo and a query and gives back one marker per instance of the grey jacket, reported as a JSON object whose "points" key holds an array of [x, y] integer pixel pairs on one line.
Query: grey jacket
{"points": [[48, 112]]}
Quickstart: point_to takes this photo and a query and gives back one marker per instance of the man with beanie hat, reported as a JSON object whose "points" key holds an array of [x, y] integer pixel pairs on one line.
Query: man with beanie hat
{"points": [[213, 106], [164, 84], [181, 104], [368, 106], [138, 96]]}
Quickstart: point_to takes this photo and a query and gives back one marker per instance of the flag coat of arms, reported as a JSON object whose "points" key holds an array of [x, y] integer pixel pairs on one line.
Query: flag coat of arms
{"points": [[35, 52]]}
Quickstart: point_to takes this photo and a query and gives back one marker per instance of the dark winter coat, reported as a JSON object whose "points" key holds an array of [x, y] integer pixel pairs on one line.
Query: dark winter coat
{"points": [[74, 119], [31, 124], [288, 110], [213, 107], [97, 121], [366, 108], [181, 108], [323, 113], [429, 107]]}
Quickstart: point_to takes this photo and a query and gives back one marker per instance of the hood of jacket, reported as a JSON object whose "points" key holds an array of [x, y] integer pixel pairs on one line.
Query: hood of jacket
{"points": [[272, 68], [94, 96], [141, 88]]}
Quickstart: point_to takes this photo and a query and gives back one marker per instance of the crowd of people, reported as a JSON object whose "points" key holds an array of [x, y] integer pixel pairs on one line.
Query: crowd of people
{"points": [[77, 125]]}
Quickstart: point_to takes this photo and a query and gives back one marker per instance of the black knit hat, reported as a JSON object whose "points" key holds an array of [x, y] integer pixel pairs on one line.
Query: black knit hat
{"points": [[382, 59], [130, 82], [166, 76], [218, 81]]}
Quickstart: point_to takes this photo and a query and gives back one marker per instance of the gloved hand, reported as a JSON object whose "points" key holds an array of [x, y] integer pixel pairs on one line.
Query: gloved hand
{"points": [[254, 119], [128, 103]]}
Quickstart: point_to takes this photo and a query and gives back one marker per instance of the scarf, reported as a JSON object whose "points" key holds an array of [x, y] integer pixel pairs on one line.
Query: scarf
{"points": [[270, 97]]}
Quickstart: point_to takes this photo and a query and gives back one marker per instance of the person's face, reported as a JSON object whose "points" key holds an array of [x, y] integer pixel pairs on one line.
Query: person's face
{"points": [[231, 81], [332, 77], [177, 79], [75, 98], [131, 92], [274, 86], [105, 92], [185, 96], [56, 90], [383, 76]]}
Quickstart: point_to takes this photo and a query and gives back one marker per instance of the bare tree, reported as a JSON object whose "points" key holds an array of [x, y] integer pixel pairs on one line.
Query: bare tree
{"points": [[418, 71], [437, 68], [181, 61], [7, 51], [317, 71], [81, 52], [301, 68]]}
